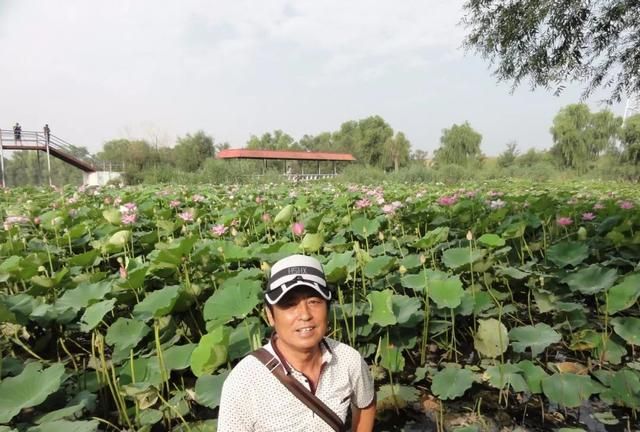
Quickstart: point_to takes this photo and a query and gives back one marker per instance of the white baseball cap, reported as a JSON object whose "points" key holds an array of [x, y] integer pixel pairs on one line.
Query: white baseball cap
{"points": [[296, 271]]}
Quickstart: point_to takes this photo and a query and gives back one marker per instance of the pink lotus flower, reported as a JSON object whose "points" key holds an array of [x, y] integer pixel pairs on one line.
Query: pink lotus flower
{"points": [[107, 200], [266, 217], [588, 216], [388, 209], [129, 218], [363, 203], [186, 216], [447, 200], [174, 203], [117, 201], [598, 206], [297, 228], [626, 205], [36, 220], [219, 229], [197, 198], [123, 273], [259, 199], [564, 221]]}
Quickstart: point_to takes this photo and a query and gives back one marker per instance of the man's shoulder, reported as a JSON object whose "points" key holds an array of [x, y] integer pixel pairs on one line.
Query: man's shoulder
{"points": [[342, 350], [245, 372]]}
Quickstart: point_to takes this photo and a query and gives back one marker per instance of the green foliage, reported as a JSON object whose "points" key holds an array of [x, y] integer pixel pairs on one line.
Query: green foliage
{"points": [[279, 140], [580, 137], [549, 44], [192, 150], [508, 157], [630, 137], [452, 382], [459, 145]]}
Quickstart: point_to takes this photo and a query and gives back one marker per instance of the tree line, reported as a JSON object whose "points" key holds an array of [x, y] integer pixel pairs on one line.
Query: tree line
{"points": [[581, 140]]}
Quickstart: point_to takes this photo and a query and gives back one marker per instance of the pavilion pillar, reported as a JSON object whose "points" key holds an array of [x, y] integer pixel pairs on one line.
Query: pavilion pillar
{"points": [[2, 160], [334, 168], [318, 162]]}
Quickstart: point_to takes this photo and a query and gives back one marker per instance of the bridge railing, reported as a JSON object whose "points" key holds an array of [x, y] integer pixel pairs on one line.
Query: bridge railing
{"points": [[30, 139]]}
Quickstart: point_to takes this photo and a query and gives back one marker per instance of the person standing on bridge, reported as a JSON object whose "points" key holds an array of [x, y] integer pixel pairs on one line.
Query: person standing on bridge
{"points": [[17, 132], [47, 133]]}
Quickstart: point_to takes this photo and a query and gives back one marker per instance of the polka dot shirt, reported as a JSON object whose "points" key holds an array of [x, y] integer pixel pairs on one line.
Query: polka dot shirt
{"points": [[254, 400]]}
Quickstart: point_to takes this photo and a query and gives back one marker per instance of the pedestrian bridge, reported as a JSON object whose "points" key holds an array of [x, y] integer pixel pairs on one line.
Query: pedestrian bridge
{"points": [[60, 149]]}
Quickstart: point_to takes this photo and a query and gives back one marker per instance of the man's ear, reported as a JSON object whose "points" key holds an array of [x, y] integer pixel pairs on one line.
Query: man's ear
{"points": [[269, 314]]}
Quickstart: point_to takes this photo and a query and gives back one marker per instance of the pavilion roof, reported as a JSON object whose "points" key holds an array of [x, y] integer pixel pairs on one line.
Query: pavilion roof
{"points": [[283, 155]]}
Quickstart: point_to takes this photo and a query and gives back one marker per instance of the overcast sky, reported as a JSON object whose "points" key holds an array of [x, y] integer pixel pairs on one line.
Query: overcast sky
{"points": [[98, 70]]}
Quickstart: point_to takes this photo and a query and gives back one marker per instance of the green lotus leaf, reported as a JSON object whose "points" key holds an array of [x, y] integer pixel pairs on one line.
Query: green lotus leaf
{"points": [[491, 339], [125, 333], [246, 337], [365, 227], [391, 358], [84, 295], [628, 328], [118, 240], [86, 259], [568, 253], [209, 388], [395, 397], [624, 295], [512, 272], [506, 375], [381, 305], [150, 416], [457, 257], [624, 389], [339, 266], [312, 242], [451, 382], [416, 282], [235, 298], [67, 426], [284, 215], [157, 303], [491, 240], [82, 401], [533, 375], [93, 314], [569, 390], [379, 266], [198, 426], [28, 389], [408, 310], [211, 351], [432, 238], [410, 262], [178, 357], [6, 315], [607, 418], [446, 293], [591, 280], [537, 337], [112, 215]]}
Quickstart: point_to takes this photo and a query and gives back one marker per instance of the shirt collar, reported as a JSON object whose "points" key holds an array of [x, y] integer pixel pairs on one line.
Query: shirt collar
{"points": [[327, 353]]}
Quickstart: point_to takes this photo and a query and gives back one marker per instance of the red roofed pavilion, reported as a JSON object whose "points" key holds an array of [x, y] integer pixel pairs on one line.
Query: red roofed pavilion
{"points": [[266, 155]]}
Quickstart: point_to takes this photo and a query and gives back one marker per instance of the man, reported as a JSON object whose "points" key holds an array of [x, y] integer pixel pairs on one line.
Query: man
{"points": [[297, 306], [47, 133], [17, 132]]}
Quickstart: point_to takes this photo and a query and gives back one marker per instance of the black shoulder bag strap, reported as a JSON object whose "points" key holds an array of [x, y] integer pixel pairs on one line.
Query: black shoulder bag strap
{"points": [[299, 391]]}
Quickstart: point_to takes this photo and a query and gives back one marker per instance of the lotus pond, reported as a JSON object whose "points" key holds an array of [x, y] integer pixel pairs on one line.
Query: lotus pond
{"points": [[124, 309]]}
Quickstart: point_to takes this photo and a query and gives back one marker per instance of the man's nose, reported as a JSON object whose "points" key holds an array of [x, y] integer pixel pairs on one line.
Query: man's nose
{"points": [[303, 310]]}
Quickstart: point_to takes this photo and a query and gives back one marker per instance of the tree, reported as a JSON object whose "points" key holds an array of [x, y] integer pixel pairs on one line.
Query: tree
{"points": [[396, 151], [630, 138], [323, 142], [278, 141], [459, 145], [581, 137], [365, 139], [419, 155], [191, 151], [554, 42], [135, 155], [508, 157]]}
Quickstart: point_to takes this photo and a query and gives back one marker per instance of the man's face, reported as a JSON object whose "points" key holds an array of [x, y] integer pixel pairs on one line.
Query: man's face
{"points": [[300, 320]]}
